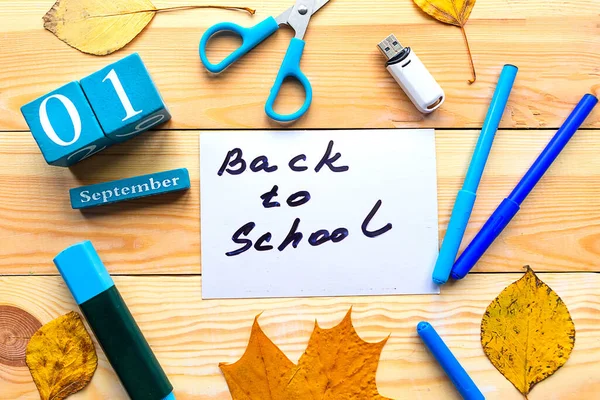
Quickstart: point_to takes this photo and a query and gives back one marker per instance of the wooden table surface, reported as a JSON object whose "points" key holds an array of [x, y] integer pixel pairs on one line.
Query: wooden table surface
{"points": [[153, 245]]}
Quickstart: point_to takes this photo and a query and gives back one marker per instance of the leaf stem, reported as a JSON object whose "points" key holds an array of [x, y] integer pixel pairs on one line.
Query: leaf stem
{"points": [[249, 10], [471, 81]]}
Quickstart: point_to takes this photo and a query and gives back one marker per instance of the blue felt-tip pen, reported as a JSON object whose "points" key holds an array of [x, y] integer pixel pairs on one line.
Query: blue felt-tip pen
{"points": [[465, 199], [457, 374], [509, 207], [113, 325]]}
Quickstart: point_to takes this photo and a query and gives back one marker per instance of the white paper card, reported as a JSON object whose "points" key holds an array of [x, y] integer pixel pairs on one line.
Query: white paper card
{"points": [[389, 175]]}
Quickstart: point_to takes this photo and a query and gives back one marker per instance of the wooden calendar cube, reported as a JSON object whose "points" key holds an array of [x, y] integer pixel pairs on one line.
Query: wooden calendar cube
{"points": [[64, 126], [124, 98]]}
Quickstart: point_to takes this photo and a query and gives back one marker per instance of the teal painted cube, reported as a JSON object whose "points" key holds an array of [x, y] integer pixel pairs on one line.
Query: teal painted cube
{"points": [[125, 99], [64, 126]]}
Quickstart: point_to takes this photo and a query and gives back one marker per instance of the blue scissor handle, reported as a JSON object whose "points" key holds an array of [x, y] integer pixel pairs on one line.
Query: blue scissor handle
{"points": [[290, 68], [251, 37]]}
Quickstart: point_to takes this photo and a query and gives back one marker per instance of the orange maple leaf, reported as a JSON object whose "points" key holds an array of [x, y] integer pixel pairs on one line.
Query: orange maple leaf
{"points": [[337, 364]]}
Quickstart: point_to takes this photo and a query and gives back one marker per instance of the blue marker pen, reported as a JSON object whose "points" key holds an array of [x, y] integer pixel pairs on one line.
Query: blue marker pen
{"points": [[465, 199], [457, 374], [510, 205], [117, 332]]}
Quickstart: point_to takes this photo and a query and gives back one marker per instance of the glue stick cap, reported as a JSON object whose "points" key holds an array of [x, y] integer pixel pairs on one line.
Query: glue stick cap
{"points": [[83, 271]]}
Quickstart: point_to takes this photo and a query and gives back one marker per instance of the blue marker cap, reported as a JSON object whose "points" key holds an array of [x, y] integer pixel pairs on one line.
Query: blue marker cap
{"points": [[457, 374], [83, 271]]}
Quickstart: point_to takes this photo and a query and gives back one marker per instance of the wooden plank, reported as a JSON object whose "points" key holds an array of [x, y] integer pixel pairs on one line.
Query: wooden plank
{"points": [[557, 229], [555, 43], [21, 15], [190, 336]]}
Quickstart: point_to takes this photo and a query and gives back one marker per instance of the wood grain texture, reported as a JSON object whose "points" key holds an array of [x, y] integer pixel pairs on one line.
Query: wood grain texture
{"points": [[558, 228], [190, 336], [555, 43], [16, 328]]}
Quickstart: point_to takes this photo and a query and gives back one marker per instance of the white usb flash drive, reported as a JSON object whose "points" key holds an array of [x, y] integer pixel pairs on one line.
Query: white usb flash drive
{"points": [[412, 76]]}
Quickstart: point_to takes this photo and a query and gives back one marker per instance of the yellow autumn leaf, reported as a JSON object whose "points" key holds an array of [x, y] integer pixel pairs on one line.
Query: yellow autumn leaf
{"points": [[98, 27], [61, 357], [453, 12], [337, 365], [101, 27], [261, 373], [527, 332]]}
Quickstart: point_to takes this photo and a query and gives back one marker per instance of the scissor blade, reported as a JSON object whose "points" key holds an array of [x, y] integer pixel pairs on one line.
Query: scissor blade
{"points": [[298, 20], [284, 17], [319, 4]]}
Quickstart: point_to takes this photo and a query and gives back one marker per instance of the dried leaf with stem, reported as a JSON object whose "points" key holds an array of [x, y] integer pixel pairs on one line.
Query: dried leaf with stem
{"points": [[452, 12], [103, 27]]}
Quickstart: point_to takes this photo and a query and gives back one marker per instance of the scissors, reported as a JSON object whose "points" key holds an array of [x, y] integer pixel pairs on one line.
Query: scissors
{"points": [[297, 17]]}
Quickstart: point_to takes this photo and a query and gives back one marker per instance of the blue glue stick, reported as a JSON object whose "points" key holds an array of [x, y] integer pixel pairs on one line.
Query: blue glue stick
{"points": [[465, 199], [113, 325], [509, 207], [457, 374]]}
